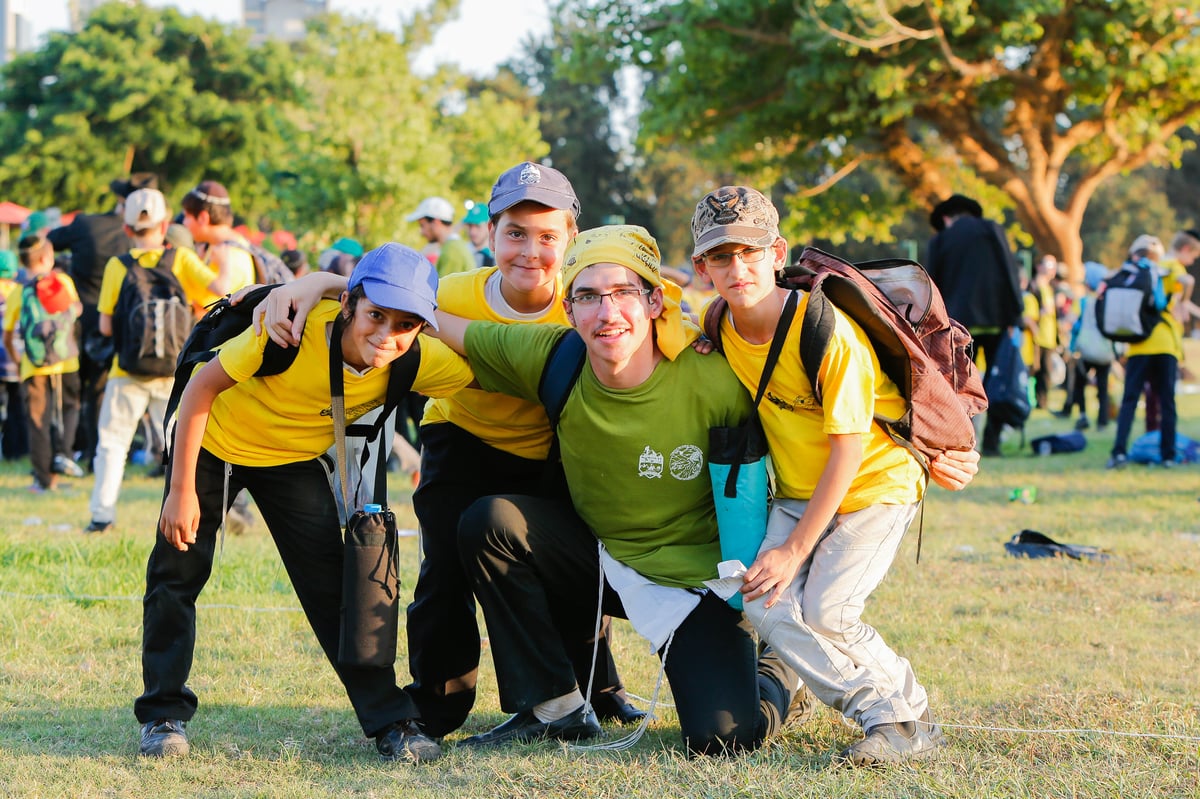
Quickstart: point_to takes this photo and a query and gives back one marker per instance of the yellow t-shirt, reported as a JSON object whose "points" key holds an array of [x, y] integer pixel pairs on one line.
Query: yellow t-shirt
{"points": [[12, 314], [1167, 337], [509, 424], [854, 389], [285, 418], [194, 276], [241, 269]]}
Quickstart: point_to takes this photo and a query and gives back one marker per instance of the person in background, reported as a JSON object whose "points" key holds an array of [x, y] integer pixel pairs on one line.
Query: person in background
{"points": [[435, 216], [476, 225], [973, 266], [46, 310], [1156, 359]]}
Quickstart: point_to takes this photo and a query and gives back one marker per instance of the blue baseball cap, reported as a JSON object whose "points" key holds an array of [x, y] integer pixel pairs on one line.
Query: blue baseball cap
{"points": [[398, 277], [530, 181]]}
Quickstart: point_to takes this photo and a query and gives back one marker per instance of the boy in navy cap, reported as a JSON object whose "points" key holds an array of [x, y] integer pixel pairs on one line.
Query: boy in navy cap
{"points": [[266, 434]]}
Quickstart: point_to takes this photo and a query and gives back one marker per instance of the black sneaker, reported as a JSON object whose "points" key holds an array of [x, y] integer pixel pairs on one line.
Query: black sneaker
{"points": [[1117, 461], [164, 738], [405, 741], [98, 527]]}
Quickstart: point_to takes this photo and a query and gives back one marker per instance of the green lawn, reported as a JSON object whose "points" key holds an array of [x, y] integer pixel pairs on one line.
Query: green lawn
{"points": [[999, 642]]}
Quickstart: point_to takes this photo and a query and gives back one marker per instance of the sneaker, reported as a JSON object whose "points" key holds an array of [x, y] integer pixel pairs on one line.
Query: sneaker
{"points": [[1082, 423], [164, 738], [1168, 464], [98, 527], [64, 465], [890, 742], [802, 708], [405, 741], [37, 488], [1117, 461]]}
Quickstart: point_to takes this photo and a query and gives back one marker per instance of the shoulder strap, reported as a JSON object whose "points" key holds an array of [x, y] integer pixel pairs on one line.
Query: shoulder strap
{"points": [[712, 321], [559, 375], [816, 331], [781, 329]]}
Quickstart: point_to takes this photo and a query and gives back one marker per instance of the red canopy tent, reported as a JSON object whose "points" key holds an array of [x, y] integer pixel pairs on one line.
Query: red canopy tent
{"points": [[13, 214]]}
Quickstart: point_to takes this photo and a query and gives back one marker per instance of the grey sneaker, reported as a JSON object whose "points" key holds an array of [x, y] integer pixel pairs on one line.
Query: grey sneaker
{"points": [[164, 738], [405, 741], [64, 465], [802, 708], [1117, 461], [890, 742]]}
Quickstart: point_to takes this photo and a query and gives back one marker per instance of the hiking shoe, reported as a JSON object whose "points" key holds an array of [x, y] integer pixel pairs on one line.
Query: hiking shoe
{"points": [[890, 742], [1117, 461], [164, 738], [405, 741], [98, 527], [64, 465], [802, 708], [932, 729]]}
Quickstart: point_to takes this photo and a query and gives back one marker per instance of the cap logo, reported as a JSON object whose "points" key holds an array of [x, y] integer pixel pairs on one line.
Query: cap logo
{"points": [[530, 175], [725, 211]]}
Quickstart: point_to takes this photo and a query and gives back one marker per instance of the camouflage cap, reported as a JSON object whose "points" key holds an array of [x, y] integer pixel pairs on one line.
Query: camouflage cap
{"points": [[736, 214]]}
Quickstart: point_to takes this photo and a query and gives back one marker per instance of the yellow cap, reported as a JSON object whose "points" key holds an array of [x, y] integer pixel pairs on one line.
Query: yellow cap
{"points": [[633, 247]]}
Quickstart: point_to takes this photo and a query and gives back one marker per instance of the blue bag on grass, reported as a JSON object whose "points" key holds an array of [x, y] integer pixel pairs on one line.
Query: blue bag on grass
{"points": [[1145, 449]]}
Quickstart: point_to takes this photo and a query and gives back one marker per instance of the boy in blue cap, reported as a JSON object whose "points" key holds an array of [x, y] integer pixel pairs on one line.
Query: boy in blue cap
{"points": [[267, 435]]}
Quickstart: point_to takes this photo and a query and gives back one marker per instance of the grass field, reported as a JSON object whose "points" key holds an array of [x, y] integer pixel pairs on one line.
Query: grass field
{"points": [[1003, 645]]}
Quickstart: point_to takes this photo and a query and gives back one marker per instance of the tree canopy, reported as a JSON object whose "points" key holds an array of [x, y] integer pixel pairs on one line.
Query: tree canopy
{"points": [[1031, 105], [334, 136]]}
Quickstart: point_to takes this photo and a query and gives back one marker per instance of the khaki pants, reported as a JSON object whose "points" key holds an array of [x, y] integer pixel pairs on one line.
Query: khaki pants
{"points": [[816, 626]]}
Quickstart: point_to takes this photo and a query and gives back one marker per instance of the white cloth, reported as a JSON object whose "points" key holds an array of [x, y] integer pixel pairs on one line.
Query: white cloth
{"points": [[654, 610]]}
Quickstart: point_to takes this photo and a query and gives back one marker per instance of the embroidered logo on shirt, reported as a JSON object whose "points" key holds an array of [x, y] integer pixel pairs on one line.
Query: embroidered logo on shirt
{"points": [[650, 464], [361, 409], [686, 462]]}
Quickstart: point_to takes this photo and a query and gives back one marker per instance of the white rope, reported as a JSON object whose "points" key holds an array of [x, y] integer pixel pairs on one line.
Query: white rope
{"points": [[630, 740], [101, 598]]}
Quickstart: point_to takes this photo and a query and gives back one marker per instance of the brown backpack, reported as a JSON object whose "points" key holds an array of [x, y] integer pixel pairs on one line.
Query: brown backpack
{"points": [[925, 352]]}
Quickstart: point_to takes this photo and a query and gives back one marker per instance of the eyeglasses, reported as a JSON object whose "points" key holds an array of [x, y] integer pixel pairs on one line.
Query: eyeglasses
{"points": [[621, 298], [750, 255]]}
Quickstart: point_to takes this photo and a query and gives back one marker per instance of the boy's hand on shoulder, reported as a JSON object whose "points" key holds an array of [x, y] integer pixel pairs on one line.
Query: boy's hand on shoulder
{"points": [[954, 469], [703, 345], [180, 519]]}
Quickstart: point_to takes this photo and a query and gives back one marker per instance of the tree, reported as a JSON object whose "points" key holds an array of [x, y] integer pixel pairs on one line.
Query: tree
{"points": [[140, 89], [1041, 101]]}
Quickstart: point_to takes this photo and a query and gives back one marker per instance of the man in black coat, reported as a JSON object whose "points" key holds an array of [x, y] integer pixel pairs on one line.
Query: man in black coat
{"points": [[92, 240], [972, 265]]}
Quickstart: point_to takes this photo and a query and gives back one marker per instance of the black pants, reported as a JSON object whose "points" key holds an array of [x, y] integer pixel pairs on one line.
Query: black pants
{"points": [[443, 636], [297, 506], [535, 569], [14, 440], [93, 377], [989, 344], [52, 410], [1082, 369]]}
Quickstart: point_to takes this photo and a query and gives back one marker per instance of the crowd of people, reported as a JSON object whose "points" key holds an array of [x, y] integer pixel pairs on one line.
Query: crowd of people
{"points": [[551, 527]]}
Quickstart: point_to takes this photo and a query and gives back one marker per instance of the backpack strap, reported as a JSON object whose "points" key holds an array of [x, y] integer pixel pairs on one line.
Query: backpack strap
{"points": [[711, 324], [816, 331], [559, 375]]}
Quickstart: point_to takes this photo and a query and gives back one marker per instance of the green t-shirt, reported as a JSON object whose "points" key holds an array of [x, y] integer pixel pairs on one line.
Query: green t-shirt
{"points": [[634, 458], [455, 256]]}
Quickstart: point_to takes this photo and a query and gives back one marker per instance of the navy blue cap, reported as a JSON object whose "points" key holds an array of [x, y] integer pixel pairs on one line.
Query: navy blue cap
{"points": [[534, 182], [398, 277]]}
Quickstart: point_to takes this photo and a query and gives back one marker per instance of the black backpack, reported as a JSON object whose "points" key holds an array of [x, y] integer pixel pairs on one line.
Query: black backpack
{"points": [[152, 318], [1127, 308], [222, 321]]}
